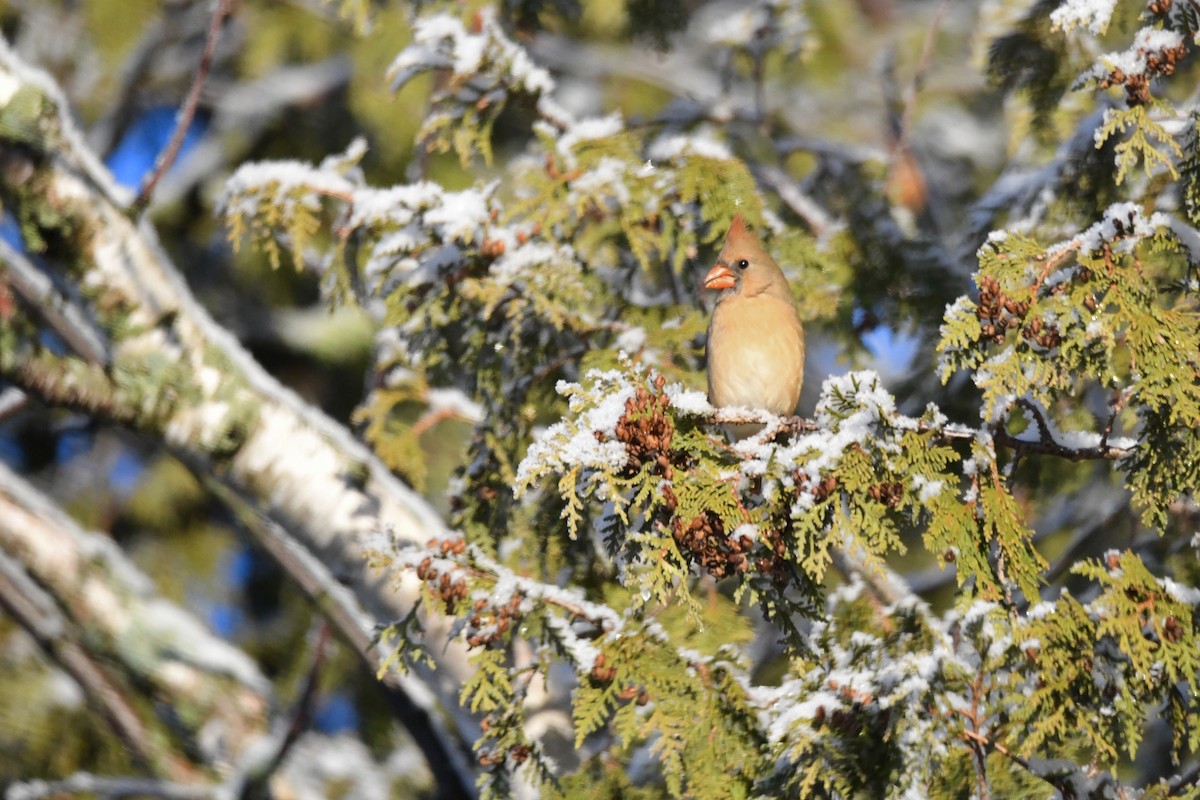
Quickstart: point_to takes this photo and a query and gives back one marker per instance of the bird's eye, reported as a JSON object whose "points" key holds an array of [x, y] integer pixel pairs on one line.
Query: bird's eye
{"points": [[743, 264]]}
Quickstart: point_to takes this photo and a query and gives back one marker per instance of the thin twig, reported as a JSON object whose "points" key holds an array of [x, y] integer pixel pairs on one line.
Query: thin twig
{"points": [[805, 207], [301, 716], [433, 417], [184, 121], [910, 96], [974, 738], [980, 741], [1046, 446], [1118, 405]]}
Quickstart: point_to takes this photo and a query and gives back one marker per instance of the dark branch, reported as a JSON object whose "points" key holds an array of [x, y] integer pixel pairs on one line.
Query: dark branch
{"points": [[439, 746], [301, 717], [38, 614], [187, 113]]}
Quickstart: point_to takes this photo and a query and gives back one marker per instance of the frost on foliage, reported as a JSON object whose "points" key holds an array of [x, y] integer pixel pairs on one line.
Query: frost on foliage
{"points": [[424, 231], [584, 174], [285, 199], [626, 676], [1034, 304], [573, 444], [443, 42], [289, 181], [878, 691], [1143, 125], [423, 260], [1091, 14], [595, 175], [882, 694], [1122, 227], [1143, 56], [855, 402], [420, 230], [568, 141], [420, 235], [643, 461], [688, 401], [889, 683], [1050, 322], [854, 410], [675, 146], [768, 25], [486, 69]]}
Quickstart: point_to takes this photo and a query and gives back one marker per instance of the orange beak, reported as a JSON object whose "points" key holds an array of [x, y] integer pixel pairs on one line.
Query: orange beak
{"points": [[720, 277]]}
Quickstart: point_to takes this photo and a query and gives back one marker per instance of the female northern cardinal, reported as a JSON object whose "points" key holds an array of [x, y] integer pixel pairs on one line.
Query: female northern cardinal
{"points": [[755, 341]]}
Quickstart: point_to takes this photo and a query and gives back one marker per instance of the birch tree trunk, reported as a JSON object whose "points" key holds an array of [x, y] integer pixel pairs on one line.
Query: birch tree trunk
{"points": [[165, 369]]}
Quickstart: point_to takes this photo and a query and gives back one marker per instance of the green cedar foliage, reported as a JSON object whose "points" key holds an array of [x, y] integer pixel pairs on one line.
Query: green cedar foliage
{"points": [[608, 525]]}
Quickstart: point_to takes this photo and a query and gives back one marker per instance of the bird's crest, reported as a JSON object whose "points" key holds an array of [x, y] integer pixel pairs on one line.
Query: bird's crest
{"points": [[737, 230], [740, 239]]}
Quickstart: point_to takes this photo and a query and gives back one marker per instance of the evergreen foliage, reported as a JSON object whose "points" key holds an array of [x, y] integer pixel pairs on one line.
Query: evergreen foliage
{"points": [[1081, 337], [704, 617]]}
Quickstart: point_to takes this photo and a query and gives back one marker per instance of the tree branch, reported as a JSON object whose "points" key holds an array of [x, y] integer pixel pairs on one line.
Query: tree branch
{"points": [[35, 611], [1045, 444], [60, 578], [180, 377], [109, 788], [187, 113], [64, 317], [405, 694]]}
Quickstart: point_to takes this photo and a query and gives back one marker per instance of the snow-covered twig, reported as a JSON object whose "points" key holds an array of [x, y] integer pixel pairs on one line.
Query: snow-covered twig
{"points": [[1045, 443]]}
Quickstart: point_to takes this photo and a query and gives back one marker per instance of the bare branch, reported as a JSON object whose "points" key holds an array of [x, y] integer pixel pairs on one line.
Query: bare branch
{"points": [[187, 113], [108, 788], [36, 612], [247, 109], [56, 575], [918, 79]]}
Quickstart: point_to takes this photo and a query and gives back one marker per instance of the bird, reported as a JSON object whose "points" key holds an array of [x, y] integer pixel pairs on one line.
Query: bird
{"points": [[755, 350]]}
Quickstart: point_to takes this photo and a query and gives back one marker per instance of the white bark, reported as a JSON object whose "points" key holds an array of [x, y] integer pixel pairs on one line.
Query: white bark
{"points": [[88, 605], [178, 375]]}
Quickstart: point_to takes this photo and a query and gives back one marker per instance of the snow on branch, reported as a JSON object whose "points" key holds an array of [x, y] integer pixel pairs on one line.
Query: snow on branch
{"points": [[485, 69], [441, 41], [103, 621], [1052, 321], [178, 376], [1091, 14]]}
